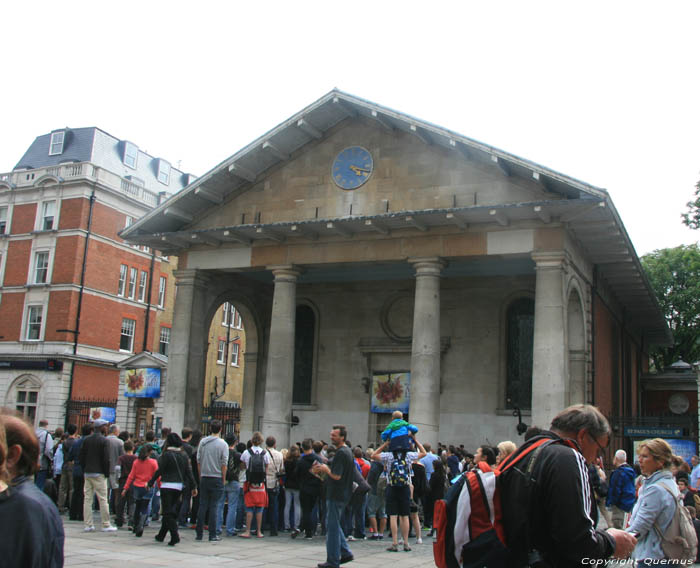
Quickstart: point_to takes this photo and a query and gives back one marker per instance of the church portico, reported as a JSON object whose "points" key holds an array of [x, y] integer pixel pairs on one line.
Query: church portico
{"points": [[364, 255]]}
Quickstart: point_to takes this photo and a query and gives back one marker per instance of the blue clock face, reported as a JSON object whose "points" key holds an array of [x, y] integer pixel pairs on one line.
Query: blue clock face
{"points": [[352, 167]]}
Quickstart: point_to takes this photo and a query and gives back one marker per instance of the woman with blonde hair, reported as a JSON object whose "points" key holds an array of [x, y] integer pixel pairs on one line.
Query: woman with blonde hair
{"points": [[658, 498], [504, 450]]}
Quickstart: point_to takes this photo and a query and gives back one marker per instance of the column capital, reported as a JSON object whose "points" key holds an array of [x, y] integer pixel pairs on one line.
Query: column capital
{"points": [[428, 265], [550, 259], [191, 277], [285, 272]]}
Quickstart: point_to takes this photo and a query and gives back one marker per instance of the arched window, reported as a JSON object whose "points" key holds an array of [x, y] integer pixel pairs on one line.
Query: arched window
{"points": [[304, 340], [520, 326]]}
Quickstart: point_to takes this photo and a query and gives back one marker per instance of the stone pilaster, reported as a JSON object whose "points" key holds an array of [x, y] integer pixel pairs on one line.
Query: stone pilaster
{"points": [[279, 379], [187, 358], [250, 373], [549, 364], [425, 351]]}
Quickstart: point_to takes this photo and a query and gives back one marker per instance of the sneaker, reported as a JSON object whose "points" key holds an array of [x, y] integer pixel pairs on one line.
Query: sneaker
{"points": [[419, 540], [216, 538], [89, 529], [109, 529], [308, 537], [350, 538], [374, 536]]}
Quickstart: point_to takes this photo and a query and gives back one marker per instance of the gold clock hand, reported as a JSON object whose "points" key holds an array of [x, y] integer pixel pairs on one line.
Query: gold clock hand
{"points": [[358, 171]]}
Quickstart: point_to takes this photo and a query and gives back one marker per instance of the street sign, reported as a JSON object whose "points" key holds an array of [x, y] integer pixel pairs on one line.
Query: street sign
{"points": [[652, 432]]}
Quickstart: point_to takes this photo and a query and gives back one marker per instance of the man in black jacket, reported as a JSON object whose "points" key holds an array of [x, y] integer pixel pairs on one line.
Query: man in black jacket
{"points": [[94, 458], [549, 511]]}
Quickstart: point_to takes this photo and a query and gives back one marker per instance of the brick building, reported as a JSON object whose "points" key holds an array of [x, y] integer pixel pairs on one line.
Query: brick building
{"points": [[76, 300]]}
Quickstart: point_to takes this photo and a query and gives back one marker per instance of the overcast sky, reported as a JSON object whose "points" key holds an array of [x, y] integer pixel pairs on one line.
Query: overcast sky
{"points": [[606, 92]]}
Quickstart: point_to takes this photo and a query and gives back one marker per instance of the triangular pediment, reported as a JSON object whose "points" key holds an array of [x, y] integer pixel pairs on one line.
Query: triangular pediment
{"points": [[144, 360], [316, 129], [360, 169]]}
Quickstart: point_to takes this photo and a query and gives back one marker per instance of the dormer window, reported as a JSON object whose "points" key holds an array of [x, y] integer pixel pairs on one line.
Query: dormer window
{"points": [[56, 146], [163, 172], [131, 154]]}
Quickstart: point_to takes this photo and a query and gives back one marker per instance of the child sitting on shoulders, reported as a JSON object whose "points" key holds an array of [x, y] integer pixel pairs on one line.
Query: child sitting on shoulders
{"points": [[399, 433]]}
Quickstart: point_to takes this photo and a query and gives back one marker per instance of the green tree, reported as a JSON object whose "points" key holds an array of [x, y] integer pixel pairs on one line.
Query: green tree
{"points": [[674, 274], [692, 216]]}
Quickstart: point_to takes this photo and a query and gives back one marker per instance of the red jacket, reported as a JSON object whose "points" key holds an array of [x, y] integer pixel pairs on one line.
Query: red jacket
{"points": [[141, 472]]}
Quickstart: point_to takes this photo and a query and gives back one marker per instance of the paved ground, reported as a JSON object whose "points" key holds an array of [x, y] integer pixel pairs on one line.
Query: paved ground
{"points": [[123, 550]]}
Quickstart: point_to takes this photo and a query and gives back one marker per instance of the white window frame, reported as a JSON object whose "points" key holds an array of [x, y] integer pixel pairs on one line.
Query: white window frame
{"points": [[235, 353], [164, 340], [143, 279], [30, 322], [121, 286], [164, 168], [4, 216], [220, 352], [161, 291], [23, 406], [237, 320], [35, 267], [41, 220], [126, 327], [58, 139], [128, 221], [131, 155], [133, 275], [224, 318]]}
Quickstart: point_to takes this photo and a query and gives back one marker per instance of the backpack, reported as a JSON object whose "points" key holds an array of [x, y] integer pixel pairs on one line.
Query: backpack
{"points": [[679, 542], [399, 475], [469, 529], [255, 474], [233, 466]]}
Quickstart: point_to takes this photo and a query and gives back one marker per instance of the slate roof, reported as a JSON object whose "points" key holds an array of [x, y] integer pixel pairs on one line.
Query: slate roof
{"points": [[91, 144]]}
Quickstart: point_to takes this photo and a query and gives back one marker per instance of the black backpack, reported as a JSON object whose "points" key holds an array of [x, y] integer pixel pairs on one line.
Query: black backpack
{"points": [[233, 466], [255, 474]]}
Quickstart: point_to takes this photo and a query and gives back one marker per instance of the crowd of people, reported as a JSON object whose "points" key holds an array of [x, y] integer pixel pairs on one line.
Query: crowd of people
{"points": [[334, 490]]}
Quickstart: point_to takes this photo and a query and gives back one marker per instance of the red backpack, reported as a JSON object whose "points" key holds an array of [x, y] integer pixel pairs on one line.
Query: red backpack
{"points": [[469, 531]]}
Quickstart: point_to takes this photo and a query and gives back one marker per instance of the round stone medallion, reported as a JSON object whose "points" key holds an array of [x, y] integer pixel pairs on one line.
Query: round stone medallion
{"points": [[678, 403], [397, 317]]}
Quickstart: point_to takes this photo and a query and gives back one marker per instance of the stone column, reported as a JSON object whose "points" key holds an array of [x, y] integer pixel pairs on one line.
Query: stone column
{"points": [[425, 351], [279, 379], [250, 373], [187, 358], [549, 365]]}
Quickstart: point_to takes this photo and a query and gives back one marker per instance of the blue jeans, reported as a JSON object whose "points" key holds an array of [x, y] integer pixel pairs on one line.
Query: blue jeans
{"points": [[40, 478], [233, 490], [210, 492], [336, 546], [142, 499]]}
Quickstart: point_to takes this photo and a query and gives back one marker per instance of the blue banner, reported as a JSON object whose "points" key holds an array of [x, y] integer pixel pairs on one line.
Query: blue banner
{"points": [[103, 413], [143, 383], [683, 448]]}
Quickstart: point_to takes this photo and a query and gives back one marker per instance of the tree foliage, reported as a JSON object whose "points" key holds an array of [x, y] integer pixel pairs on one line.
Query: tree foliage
{"points": [[691, 218], [674, 275]]}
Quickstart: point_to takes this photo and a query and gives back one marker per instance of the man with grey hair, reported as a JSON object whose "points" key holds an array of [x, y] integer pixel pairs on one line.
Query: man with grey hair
{"points": [[621, 491], [549, 512], [115, 448], [45, 453]]}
